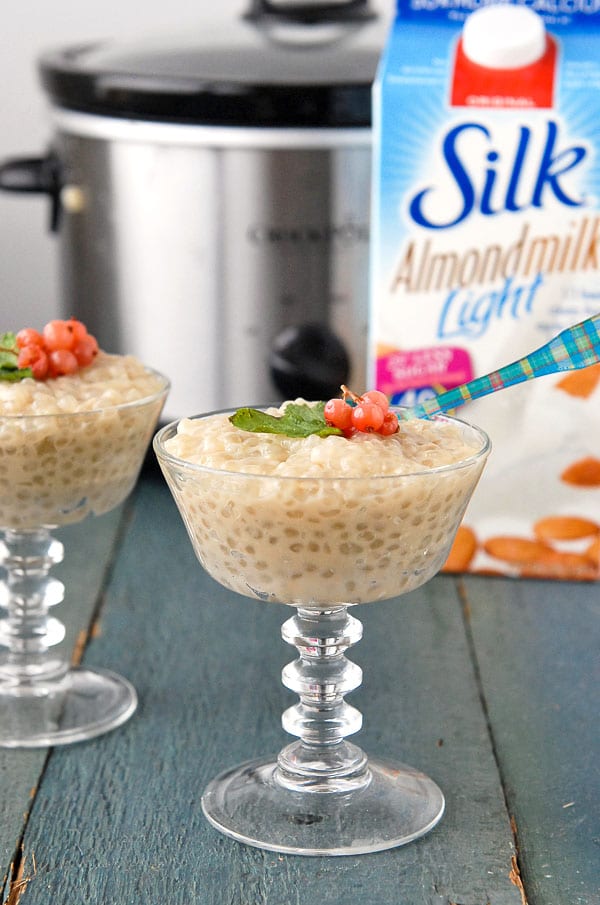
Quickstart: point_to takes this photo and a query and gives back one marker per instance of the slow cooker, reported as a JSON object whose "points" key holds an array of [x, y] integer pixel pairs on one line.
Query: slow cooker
{"points": [[210, 196]]}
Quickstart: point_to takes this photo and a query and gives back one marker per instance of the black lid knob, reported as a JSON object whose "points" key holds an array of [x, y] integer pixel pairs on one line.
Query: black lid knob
{"points": [[309, 360], [310, 12]]}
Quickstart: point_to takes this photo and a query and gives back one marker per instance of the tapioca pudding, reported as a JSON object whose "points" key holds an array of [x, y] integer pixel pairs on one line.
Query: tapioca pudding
{"points": [[74, 444], [320, 521]]}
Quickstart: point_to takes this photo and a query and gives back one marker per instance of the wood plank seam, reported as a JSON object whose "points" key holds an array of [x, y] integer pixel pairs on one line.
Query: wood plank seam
{"points": [[18, 881], [514, 874], [15, 878]]}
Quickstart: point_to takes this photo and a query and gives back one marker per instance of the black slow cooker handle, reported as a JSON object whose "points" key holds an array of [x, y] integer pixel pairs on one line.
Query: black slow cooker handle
{"points": [[35, 175], [310, 13]]}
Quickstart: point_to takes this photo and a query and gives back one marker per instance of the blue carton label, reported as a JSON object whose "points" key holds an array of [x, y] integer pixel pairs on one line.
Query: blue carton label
{"points": [[486, 243]]}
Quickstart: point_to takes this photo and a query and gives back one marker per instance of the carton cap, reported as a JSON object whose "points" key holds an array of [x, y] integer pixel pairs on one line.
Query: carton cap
{"points": [[504, 37]]}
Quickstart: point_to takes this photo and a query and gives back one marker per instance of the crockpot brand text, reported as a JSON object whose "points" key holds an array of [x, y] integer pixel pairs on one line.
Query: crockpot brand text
{"points": [[348, 233]]}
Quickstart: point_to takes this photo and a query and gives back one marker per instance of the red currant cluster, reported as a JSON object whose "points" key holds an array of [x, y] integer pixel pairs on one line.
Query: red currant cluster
{"points": [[61, 348], [369, 413]]}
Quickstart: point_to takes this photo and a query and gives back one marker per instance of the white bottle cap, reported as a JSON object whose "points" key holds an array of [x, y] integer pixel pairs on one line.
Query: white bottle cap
{"points": [[504, 36]]}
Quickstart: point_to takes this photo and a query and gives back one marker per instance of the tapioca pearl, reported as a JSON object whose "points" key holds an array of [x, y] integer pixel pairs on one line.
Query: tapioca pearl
{"points": [[313, 546], [296, 547], [301, 493], [291, 532], [194, 509], [117, 450], [294, 513], [327, 573], [350, 548]]}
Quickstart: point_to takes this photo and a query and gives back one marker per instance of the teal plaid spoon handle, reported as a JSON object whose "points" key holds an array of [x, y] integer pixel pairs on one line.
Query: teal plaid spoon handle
{"points": [[575, 347]]}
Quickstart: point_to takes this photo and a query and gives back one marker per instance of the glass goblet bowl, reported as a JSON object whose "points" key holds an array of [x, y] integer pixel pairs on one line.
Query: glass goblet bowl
{"points": [[322, 544], [56, 469]]}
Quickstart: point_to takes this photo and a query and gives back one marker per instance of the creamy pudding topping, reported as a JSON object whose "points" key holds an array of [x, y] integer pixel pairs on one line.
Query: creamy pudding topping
{"points": [[416, 446], [108, 381]]}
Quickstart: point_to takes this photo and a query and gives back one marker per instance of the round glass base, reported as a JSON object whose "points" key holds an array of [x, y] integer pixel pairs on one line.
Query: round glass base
{"points": [[83, 704], [248, 803]]}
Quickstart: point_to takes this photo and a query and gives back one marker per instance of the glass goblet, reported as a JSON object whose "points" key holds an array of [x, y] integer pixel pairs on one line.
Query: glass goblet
{"points": [[322, 544], [55, 469]]}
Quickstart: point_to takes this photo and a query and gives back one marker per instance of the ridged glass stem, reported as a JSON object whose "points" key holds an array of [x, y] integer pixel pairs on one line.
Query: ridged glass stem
{"points": [[322, 761], [27, 592]]}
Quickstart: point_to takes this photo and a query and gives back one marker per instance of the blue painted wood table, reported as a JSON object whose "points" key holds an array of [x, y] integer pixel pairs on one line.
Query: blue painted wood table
{"points": [[488, 685]]}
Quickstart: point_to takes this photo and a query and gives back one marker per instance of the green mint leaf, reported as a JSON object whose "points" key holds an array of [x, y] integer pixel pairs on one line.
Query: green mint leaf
{"points": [[15, 374], [8, 342], [298, 420], [9, 354], [8, 360], [9, 351]]}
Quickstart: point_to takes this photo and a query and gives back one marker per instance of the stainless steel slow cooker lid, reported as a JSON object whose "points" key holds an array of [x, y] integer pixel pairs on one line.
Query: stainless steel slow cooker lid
{"points": [[301, 65]]}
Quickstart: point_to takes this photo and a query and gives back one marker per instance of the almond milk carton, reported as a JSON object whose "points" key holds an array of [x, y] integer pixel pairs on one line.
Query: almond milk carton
{"points": [[486, 243]]}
